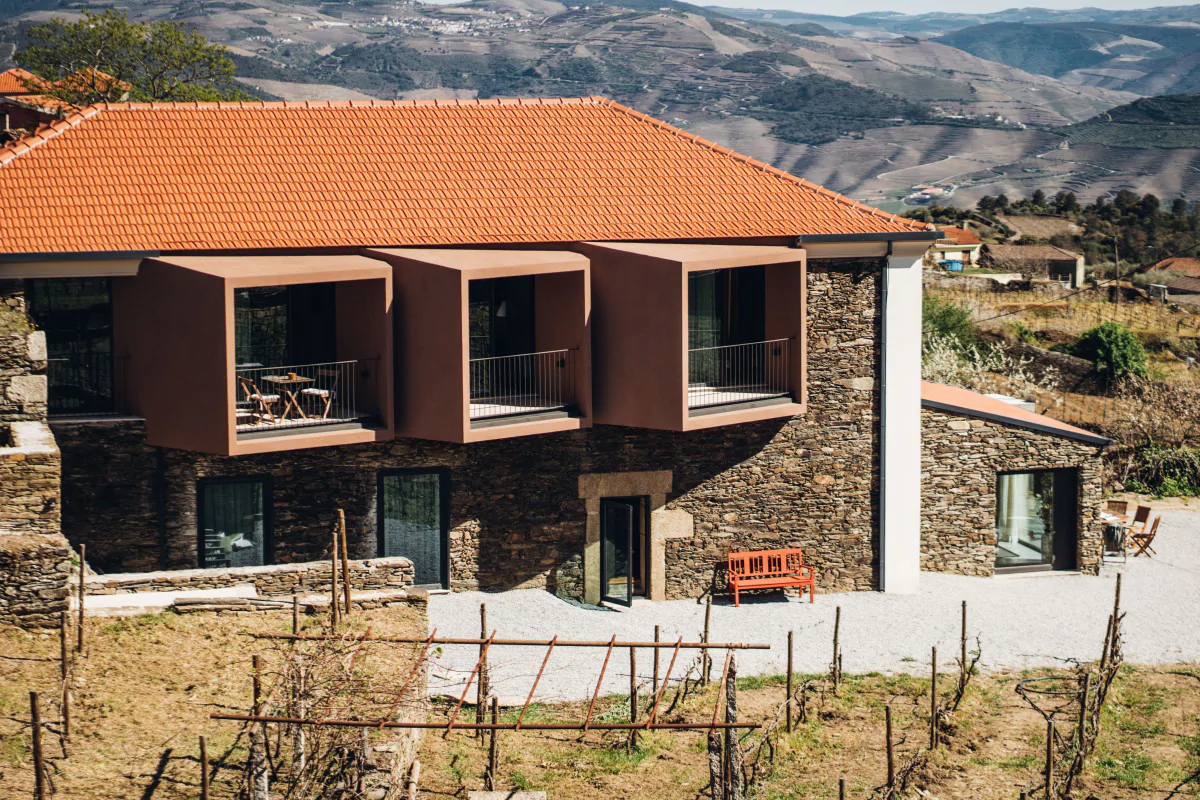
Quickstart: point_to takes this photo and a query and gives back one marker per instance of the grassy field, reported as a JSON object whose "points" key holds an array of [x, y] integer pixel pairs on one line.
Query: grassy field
{"points": [[147, 685], [143, 693], [1150, 745]]}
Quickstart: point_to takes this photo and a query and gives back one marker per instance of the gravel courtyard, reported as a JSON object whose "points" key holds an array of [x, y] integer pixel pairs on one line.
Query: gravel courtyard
{"points": [[1022, 621]]}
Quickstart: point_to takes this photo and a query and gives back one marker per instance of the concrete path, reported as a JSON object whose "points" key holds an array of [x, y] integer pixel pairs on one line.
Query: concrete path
{"points": [[1023, 621]]}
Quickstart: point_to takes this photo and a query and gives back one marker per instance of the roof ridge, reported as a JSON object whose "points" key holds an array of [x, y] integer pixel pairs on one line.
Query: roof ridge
{"points": [[254, 105], [765, 167], [46, 132]]}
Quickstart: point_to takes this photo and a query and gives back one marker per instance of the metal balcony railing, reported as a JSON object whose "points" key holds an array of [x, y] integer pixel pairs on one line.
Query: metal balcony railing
{"points": [[301, 396], [529, 383], [738, 373]]}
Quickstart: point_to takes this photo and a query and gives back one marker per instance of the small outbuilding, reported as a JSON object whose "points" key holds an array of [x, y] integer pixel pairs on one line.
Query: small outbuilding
{"points": [[1038, 261], [1004, 489]]}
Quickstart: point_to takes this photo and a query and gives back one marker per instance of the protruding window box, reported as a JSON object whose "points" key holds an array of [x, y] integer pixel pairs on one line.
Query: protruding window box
{"points": [[250, 354], [491, 344], [693, 336]]}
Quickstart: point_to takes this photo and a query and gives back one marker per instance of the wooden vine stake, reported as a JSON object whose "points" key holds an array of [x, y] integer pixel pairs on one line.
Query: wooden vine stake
{"points": [[962, 666], [841, 789], [345, 559], [295, 614], [481, 688], [787, 706], [414, 780], [82, 576], [39, 764], [1049, 759], [633, 697], [733, 761], [654, 685], [933, 709], [837, 628], [891, 755], [334, 600], [705, 659], [1083, 710], [203, 768], [492, 753], [64, 669]]}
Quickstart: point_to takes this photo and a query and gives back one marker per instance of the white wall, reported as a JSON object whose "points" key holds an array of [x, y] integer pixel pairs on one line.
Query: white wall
{"points": [[900, 546]]}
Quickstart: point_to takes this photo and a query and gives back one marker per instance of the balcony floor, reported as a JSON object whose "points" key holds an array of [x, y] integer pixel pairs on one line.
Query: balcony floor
{"points": [[701, 397], [510, 406], [296, 424]]}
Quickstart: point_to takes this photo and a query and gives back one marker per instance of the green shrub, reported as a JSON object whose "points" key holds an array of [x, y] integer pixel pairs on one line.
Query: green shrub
{"points": [[947, 320], [1113, 351], [1021, 332], [1165, 471]]}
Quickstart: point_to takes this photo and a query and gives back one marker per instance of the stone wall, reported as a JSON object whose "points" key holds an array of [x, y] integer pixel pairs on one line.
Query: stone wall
{"points": [[516, 516], [29, 479], [22, 370], [276, 579], [35, 571], [960, 457]]}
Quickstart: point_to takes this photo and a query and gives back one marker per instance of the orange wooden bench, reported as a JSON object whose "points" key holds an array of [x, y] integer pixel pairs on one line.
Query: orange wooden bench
{"points": [[770, 569]]}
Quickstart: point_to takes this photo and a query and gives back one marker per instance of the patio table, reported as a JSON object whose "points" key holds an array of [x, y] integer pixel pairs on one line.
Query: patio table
{"points": [[289, 387]]}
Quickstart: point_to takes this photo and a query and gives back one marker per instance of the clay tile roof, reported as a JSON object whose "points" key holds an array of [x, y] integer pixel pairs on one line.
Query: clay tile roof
{"points": [[956, 400], [959, 236], [1031, 252], [213, 176], [13, 82], [1184, 266]]}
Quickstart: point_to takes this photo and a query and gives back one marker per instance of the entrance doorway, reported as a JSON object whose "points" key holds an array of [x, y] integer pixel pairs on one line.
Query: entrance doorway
{"points": [[624, 522], [1037, 520], [414, 523]]}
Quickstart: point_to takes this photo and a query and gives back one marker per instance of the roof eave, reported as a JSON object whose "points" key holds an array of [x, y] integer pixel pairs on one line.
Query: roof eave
{"points": [[1050, 430]]}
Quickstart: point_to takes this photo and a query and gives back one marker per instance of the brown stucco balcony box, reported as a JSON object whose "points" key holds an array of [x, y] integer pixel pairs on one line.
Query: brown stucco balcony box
{"points": [[438, 392], [174, 325], [641, 339]]}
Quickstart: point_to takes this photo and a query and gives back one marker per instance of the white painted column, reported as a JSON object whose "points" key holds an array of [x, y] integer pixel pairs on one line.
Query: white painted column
{"points": [[900, 497]]}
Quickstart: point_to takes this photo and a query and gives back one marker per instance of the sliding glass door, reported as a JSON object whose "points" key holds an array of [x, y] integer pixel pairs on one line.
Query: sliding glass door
{"points": [[1036, 520], [414, 522], [235, 522]]}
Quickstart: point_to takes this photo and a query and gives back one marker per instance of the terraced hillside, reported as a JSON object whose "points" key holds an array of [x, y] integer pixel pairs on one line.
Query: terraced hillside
{"points": [[870, 117]]}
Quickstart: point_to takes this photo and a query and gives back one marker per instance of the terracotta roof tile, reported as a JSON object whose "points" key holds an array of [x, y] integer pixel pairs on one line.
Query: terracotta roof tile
{"points": [[959, 236], [206, 176]]}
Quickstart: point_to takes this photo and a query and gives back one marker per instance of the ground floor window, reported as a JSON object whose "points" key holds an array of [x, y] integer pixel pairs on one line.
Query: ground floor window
{"points": [[1036, 520], [414, 522], [235, 522]]}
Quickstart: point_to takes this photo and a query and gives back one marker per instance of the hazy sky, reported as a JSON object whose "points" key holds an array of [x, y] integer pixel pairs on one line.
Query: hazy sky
{"points": [[844, 7]]}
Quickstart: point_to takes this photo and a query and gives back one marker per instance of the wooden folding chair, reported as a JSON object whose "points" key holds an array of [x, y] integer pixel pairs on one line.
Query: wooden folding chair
{"points": [[1117, 506], [1142, 541], [261, 403], [1141, 518]]}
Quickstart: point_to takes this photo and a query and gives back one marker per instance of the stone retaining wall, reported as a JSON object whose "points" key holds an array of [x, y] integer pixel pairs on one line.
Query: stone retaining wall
{"points": [[960, 458], [516, 517], [35, 572], [22, 373], [276, 579], [29, 479]]}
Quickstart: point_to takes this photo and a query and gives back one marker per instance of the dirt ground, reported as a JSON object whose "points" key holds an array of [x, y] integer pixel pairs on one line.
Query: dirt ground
{"points": [[1150, 745], [143, 693]]}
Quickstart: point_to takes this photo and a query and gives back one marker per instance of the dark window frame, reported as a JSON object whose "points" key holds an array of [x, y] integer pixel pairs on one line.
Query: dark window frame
{"points": [[114, 406], [268, 484], [444, 489], [1060, 476]]}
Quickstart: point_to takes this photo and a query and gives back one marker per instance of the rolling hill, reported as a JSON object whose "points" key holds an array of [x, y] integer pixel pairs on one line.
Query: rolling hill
{"points": [[1146, 59], [871, 116]]}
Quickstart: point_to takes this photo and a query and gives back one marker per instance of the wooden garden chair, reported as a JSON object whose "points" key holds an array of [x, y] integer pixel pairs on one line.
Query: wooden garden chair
{"points": [[261, 403], [1143, 541], [1141, 518], [1117, 506]]}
